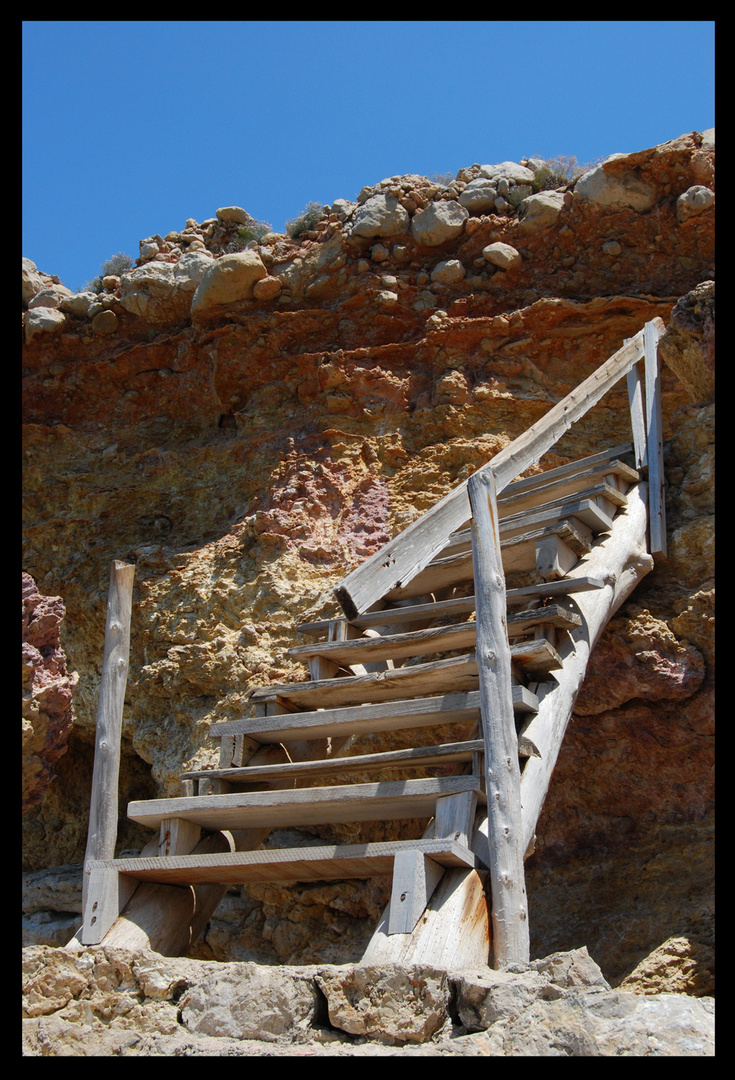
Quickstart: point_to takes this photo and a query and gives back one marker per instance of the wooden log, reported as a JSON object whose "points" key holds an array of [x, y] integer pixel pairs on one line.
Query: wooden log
{"points": [[654, 440], [103, 812], [509, 906], [622, 560], [408, 553], [452, 934]]}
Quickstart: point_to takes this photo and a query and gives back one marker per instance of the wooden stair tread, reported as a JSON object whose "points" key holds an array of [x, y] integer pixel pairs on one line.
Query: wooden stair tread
{"points": [[572, 468], [333, 862], [453, 707], [446, 676], [435, 639], [461, 605], [525, 494], [518, 554], [441, 754], [382, 801]]}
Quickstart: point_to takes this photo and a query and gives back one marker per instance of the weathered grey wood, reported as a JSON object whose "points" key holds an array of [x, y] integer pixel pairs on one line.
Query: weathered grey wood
{"points": [[443, 754], [106, 895], [455, 816], [460, 707], [438, 677], [178, 837], [654, 440], [407, 554], [606, 460], [554, 557], [637, 415], [103, 813], [620, 558], [595, 511], [520, 622], [509, 906], [391, 646], [329, 862], [453, 934], [415, 876], [386, 801]]}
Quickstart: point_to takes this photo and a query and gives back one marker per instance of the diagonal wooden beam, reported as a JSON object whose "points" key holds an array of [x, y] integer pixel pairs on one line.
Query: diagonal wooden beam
{"points": [[412, 550]]}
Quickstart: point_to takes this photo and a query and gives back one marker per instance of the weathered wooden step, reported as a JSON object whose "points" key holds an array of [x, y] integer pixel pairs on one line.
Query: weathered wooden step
{"points": [[383, 801], [442, 754], [450, 708], [519, 554], [546, 487], [595, 508], [459, 606], [437, 677], [606, 460], [334, 862], [435, 639]]}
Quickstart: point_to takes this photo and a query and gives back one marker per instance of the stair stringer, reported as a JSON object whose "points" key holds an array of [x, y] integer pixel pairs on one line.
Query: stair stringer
{"points": [[454, 930]]}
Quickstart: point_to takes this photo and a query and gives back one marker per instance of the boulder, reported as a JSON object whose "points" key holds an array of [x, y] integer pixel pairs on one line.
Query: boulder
{"points": [[693, 201], [439, 222], [31, 280], [615, 189], [688, 344], [540, 211], [479, 195], [381, 215], [148, 291], [503, 255], [228, 280], [448, 272], [517, 174], [234, 214], [43, 320]]}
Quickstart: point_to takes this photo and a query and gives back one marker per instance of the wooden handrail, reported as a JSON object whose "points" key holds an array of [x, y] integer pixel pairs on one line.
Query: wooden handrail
{"points": [[412, 550]]}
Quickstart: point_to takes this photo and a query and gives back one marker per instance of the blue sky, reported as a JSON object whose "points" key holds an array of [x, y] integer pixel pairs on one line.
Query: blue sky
{"points": [[130, 128]]}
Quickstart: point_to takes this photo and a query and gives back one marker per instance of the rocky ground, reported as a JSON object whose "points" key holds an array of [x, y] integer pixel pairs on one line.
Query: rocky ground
{"points": [[106, 1002], [247, 419]]}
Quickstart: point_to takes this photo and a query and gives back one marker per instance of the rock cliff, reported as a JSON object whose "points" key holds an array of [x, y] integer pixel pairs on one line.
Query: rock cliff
{"points": [[247, 419]]}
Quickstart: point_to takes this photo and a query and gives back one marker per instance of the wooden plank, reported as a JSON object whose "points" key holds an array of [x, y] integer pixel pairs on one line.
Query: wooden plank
{"points": [[415, 876], [509, 910], [407, 554], [572, 469], [576, 487], [442, 754], [654, 439], [460, 707], [103, 812], [106, 895], [392, 646], [636, 391], [535, 658], [437, 677], [326, 862], [383, 801], [521, 622], [596, 511], [455, 817]]}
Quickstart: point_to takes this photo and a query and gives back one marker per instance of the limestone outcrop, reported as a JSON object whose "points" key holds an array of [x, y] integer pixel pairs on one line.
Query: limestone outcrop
{"points": [[246, 447], [110, 1002]]}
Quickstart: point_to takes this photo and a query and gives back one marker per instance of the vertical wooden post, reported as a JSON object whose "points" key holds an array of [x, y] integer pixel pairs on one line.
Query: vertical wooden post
{"points": [[102, 834], [654, 437], [637, 414], [509, 909]]}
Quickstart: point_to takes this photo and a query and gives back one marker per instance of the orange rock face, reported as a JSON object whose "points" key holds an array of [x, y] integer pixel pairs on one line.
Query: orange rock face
{"points": [[247, 462]]}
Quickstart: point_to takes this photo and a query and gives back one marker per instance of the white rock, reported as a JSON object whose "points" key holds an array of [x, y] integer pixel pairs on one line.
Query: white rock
{"points": [[50, 296], [190, 268], [43, 320], [78, 303], [233, 213], [541, 210], [148, 290], [381, 215], [616, 191], [227, 280], [479, 195], [32, 281], [503, 255], [439, 222], [448, 272], [693, 201], [519, 174]]}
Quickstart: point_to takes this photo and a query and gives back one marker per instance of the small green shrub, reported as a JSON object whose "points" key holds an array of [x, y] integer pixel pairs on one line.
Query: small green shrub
{"points": [[245, 234], [558, 172], [313, 213], [116, 265]]}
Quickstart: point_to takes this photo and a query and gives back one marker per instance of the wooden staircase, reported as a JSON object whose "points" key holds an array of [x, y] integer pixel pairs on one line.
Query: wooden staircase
{"points": [[473, 682]]}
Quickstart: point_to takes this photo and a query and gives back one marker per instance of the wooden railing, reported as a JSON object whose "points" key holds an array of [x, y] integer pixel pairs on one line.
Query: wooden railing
{"points": [[509, 834]]}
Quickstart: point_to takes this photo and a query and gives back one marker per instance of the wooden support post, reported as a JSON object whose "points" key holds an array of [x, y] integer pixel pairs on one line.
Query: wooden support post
{"points": [[637, 415], [654, 438], [102, 834], [414, 879], [509, 910]]}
